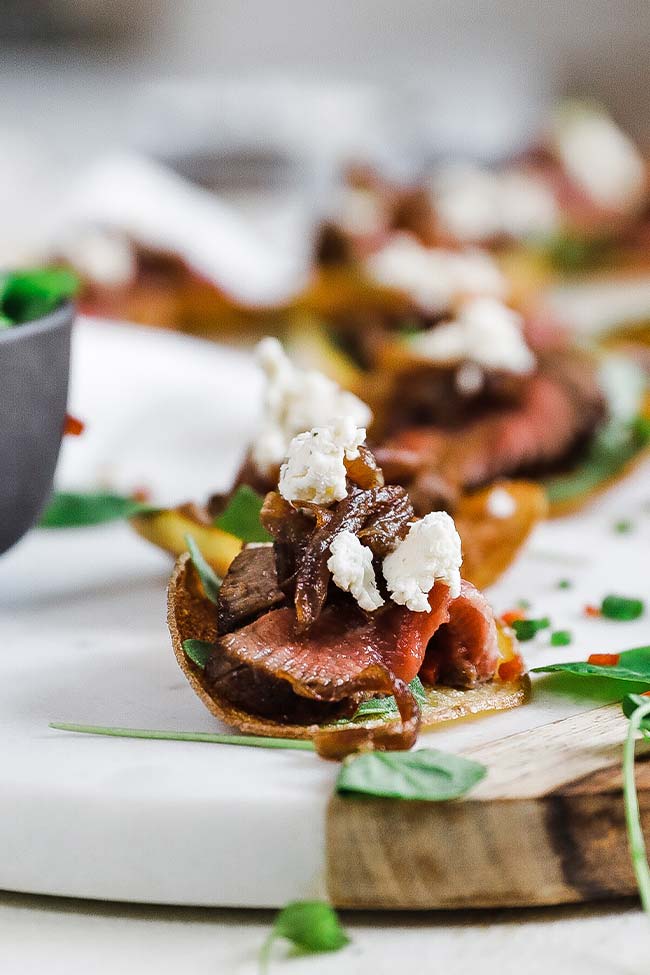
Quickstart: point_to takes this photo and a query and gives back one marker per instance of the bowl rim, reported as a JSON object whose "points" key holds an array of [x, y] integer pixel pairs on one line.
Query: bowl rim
{"points": [[46, 323]]}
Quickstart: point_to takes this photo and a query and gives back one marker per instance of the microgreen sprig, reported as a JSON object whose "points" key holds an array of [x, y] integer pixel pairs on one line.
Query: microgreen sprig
{"points": [[636, 839]]}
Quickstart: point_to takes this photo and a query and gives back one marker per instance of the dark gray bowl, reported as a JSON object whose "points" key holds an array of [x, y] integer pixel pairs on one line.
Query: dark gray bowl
{"points": [[34, 369]]}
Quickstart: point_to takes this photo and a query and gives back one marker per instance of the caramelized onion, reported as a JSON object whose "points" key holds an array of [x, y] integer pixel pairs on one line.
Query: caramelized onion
{"points": [[336, 743], [313, 576]]}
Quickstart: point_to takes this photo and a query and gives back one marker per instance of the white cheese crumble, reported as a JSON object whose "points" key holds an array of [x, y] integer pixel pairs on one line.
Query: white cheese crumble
{"points": [[598, 156], [352, 571], [500, 503], [295, 401], [360, 211], [106, 257], [485, 332], [469, 379], [474, 204], [431, 551], [432, 277], [315, 466]]}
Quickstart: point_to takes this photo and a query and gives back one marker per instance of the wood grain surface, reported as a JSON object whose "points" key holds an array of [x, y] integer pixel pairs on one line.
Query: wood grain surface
{"points": [[546, 826]]}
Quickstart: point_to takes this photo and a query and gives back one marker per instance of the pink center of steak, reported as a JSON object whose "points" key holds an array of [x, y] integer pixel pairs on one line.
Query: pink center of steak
{"points": [[560, 407], [345, 651]]}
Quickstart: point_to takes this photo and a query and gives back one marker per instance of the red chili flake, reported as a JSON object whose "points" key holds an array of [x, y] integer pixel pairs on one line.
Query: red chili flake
{"points": [[141, 494], [604, 659], [645, 693], [72, 426], [512, 615], [590, 610]]}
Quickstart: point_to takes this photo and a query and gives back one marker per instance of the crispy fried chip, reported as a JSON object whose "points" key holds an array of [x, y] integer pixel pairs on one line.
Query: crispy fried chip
{"points": [[191, 615], [490, 543], [167, 530]]}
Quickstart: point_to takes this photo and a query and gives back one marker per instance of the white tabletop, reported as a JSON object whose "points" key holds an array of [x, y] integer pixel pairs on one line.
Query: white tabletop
{"points": [[118, 606], [65, 937]]}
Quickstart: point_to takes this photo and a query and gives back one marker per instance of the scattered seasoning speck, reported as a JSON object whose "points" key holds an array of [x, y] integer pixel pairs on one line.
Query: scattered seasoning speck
{"points": [[513, 616], [523, 604], [604, 659], [591, 610], [561, 638], [564, 584], [527, 629], [624, 526], [621, 608]]}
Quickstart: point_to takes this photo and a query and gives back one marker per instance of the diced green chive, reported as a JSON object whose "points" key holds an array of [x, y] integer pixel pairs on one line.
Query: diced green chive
{"points": [[624, 526], [561, 638], [527, 629], [621, 608], [523, 604], [564, 584]]}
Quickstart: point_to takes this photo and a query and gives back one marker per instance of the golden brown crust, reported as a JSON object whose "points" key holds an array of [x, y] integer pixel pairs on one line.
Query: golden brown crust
{"points": [[191, 615]]}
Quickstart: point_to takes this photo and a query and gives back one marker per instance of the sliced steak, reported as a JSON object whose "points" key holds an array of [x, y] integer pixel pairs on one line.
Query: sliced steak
{"points": [[270, 667], [464, 651], [249, 589], [561, 408]]}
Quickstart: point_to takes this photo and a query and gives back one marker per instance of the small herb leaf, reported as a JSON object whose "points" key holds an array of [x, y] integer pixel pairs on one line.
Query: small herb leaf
{"points": [[386, 707], [633, 665], [241, 517], [423, 774], [71, 509], [527, 629], [209, 579], [312, 927], [621, 608], [199, 651]]}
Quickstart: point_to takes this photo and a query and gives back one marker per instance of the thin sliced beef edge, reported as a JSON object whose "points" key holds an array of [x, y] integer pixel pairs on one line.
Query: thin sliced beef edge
{"points": [[561, 409], [464, 651], [345, 655]]}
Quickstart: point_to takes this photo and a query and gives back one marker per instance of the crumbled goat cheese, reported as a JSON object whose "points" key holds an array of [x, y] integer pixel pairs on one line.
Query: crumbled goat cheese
{"points": [[600, 158], [352, 571], [501, 504], [433, 278], [486, 332], [360, 211], [430, 551], [469, 379], [315, 466], [105, 257], [295, 401], [476, 204]]}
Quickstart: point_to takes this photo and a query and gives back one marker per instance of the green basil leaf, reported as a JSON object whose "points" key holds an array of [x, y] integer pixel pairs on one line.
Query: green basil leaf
{"points": [[423, 774], [611, 449], [632, 665], [312, 927], [73, 509], [199, 651], [209, 579], [27, 295], [252, 741], [241, 517]]}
